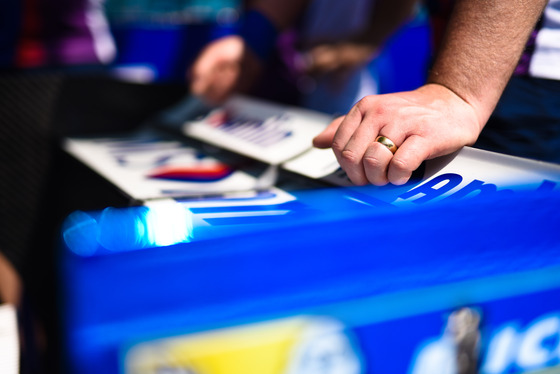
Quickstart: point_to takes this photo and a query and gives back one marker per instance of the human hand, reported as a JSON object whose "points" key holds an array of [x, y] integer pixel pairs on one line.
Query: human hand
{"points": [[225, 66], [10, 283], [425, 123], [336, 57]]}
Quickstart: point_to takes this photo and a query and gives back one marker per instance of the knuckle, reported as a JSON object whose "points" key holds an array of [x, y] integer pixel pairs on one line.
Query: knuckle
{"points": [[376, 170], [370, 104], [371, 162], [349, 156], [400, 165], [338, 146], [366, 101]]}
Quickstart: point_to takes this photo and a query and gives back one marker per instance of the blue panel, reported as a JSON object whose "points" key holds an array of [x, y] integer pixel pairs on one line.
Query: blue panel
{"points": [[403, 64], [330, 255], [168, 50]]}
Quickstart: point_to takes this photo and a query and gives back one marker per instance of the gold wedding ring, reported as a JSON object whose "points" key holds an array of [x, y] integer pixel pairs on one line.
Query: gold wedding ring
{"points": [[387, 143]]}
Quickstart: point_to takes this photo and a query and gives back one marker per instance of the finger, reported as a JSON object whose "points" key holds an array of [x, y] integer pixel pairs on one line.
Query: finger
{"points": [[201, 72], [347, 127], [325, 138], [312, 56], [350, 159], [375, 163], [353, 154], [408, 158], [379, 154], [199, 84], [211, 85], [209, 93], [325, 59]]}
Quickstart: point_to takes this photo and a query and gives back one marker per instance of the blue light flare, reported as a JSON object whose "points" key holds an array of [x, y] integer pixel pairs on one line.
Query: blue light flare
{"points": [[123, 229]]}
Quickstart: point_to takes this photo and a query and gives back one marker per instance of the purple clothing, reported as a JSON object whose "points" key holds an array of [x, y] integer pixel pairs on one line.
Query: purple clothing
{"points": [[525, 60], [541, 57], [55, 33]]}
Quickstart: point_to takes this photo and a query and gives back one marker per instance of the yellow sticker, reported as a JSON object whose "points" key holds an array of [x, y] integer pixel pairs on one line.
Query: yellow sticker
{"points": [[289, 346]]}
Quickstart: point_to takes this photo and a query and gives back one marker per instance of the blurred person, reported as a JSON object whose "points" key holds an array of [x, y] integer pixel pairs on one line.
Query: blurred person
{"points": [[234, 63], [479, 52], [338, 58], [330, 59]]}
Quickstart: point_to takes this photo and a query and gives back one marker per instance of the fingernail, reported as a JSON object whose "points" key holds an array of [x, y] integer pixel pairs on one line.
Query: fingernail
{"points": [[400, 181]]}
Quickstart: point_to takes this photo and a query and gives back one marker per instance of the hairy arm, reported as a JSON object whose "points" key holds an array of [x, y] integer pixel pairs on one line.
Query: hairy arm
{"points": [[482, 46]]}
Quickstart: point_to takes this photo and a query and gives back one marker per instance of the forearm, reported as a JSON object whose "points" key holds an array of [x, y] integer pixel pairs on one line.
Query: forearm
{"points": [[481, 48]]}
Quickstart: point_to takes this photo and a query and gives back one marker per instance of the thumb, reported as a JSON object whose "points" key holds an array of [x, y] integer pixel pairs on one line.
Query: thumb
{"points": [[325, 138]]}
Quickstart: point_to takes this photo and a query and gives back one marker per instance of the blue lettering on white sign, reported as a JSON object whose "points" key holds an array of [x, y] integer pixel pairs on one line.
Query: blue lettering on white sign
{"points": [[442, 184], [430, 189], [476, 187], [546, 186]]}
